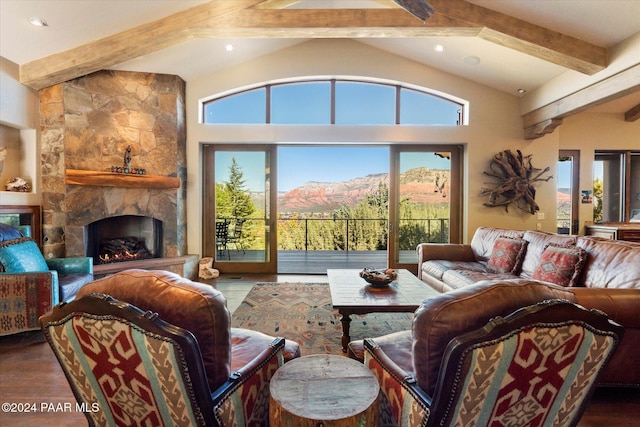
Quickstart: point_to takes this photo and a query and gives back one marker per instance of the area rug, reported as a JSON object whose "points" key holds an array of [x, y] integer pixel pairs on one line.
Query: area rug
{"points": [[303, 312]]}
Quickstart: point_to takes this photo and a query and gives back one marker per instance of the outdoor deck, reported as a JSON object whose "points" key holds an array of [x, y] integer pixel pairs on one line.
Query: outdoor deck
{"points": [[317, 262]]}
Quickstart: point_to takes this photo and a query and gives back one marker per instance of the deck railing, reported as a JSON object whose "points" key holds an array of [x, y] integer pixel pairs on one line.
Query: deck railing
{"points": [[344, 234], [361, 233]]}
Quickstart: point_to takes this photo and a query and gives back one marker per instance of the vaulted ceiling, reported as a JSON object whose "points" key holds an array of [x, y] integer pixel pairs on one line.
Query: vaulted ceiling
{"points": [[505, 44]]}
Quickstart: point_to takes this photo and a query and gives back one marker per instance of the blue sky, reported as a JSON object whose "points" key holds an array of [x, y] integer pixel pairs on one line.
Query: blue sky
{"points": [[298, 165]]}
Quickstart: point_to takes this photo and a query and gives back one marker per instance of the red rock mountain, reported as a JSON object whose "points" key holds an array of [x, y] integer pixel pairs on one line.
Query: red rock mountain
{"points": [[421, 185]]}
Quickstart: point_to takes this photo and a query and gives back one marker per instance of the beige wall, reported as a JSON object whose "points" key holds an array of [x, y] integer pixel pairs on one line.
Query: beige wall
{"points": [[494, 124], [19, 118]]}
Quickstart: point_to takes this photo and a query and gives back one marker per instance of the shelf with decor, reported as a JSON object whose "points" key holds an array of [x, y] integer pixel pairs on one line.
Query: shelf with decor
{"points": [[114, 179], [18, 163]]}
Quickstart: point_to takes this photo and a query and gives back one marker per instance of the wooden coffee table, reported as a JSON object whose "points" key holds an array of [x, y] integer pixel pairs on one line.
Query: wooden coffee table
{"points": [[351, 294]]}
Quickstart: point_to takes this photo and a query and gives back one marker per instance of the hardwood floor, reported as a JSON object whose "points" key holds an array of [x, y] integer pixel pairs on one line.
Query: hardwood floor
{"points": [[29, 373]]}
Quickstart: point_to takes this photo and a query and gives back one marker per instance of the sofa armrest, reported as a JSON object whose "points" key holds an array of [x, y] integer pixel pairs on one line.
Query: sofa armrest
{"points": [[26, 297], [44, 277], [443, 251], [78, 265], [399, 389], [446, 251], [236, 399]]}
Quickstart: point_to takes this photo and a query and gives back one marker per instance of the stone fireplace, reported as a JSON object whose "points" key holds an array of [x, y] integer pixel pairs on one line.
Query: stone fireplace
{"points": [[87, 125]]}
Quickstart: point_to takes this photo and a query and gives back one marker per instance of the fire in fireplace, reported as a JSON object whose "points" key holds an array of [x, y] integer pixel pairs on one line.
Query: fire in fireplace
{"points": [[124, 238], [123, 249]]}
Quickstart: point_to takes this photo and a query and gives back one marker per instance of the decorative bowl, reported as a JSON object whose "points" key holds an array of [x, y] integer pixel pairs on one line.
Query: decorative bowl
{"points": [[379, 277]]}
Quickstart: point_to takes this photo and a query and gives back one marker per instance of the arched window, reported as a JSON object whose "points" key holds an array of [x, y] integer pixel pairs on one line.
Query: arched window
{"points": [[334, 102]]}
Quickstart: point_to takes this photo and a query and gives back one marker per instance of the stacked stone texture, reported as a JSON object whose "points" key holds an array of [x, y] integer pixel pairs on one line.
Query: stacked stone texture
{"points": [[87, 124]]}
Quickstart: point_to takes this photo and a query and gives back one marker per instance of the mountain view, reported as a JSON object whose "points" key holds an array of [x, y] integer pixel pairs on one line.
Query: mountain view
{"points": [[421, 185]]}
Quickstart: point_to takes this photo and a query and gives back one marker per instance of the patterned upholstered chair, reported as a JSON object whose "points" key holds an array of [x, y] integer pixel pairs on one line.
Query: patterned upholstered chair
{"points": [[30, 284], [128, 367], [108, 350], [535, 366]]}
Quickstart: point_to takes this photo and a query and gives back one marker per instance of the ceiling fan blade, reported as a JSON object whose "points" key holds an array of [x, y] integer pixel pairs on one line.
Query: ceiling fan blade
{"points": [[418, 8]]}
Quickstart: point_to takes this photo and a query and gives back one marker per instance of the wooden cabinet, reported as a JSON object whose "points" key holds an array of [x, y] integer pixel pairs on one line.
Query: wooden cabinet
{"points": [[615, 231], [23, 215]]}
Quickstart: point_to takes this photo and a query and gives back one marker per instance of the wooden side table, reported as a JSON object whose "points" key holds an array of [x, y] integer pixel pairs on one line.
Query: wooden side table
{"points": [[326, 390]]}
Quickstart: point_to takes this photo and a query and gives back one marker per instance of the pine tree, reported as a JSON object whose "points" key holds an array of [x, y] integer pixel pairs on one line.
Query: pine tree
{"points": [[239, 197]]}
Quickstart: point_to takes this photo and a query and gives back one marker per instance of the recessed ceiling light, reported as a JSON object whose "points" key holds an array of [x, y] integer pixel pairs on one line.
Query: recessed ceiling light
{"points": [[38, 22], [522, 91], [438, 48], [229, 47], [471, 60]]}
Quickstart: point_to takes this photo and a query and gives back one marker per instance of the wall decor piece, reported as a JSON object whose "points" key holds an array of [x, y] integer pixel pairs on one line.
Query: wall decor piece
{"points": [[18, 184], [515, 176], [126, 165]]}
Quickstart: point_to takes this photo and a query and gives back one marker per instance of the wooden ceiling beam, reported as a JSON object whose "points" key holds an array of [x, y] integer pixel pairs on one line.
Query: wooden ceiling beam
{"points": [[260, 18], [276, 4], [125, 45], [534, 40], [545, 119], [633, 114], [330, 23]]}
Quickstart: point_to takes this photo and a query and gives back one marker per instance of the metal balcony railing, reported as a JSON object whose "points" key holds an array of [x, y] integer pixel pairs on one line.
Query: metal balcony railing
{"points": [[361, 233]]}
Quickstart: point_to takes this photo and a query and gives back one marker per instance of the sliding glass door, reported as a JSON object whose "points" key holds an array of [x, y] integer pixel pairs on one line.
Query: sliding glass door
{"points": [[425, 200], [333, 206], [239, 208]]}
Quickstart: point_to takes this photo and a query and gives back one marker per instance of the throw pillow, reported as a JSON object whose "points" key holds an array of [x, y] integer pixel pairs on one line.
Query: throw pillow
{"points": [[21, 256], [561, 265], [8, 232], [507, 255]]}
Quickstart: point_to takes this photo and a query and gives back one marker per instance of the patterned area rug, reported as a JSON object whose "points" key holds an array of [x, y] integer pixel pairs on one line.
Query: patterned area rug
{"points": [[303, 312]]}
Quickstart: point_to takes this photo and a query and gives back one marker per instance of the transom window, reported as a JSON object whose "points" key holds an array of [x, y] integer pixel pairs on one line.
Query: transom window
{"points": [[334, 102]]}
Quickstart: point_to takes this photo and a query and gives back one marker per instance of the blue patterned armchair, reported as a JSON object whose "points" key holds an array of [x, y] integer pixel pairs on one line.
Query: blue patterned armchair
{"points": [[31, 285]]}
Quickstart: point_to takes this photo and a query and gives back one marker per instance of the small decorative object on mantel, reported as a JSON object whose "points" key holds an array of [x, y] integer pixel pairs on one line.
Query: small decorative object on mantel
{"points": [[18, 184], [126, 165], [516, 176]]}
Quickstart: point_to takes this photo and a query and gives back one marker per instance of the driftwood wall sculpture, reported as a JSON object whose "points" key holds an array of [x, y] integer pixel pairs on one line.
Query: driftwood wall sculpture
{"points": [[515, 176]]}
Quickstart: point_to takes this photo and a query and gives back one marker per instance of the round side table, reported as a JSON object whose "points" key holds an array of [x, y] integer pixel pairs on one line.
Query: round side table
{"points": [[323, 390]]}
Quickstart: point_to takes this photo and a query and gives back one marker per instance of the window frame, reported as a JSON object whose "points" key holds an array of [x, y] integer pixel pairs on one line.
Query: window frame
{"points": [[461, 120]]}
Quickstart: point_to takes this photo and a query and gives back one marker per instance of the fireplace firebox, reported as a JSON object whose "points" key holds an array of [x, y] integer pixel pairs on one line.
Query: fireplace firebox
{"points": [[124, 238]]}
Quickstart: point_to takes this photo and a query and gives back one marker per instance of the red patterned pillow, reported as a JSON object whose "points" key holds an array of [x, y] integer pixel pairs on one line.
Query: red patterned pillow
{"points": [[507, 255], [561, 265]]}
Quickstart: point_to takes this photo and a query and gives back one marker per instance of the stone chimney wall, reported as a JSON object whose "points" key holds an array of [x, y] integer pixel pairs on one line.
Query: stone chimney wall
{"points": [[87, 124]]}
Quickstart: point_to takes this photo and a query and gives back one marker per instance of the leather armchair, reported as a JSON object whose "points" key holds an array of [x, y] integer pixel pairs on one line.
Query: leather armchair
{"points": [[415, 367], [230, 355]]}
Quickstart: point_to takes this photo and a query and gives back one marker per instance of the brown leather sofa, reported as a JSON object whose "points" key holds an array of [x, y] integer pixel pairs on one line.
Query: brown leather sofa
{"points": [[196, 307], [609, 281]]}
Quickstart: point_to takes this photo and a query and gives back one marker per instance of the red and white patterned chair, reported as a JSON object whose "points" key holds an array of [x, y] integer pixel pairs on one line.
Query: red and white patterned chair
{"points": [[167, 356], [535, 366]]}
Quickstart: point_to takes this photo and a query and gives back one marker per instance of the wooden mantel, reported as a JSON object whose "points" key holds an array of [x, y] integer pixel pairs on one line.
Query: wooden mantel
{"points": [[111, 179]]}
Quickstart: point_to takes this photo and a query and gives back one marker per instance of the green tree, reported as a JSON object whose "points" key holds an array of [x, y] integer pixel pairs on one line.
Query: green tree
{"points": [[233, 200], [597, 199], [239, 197]]}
